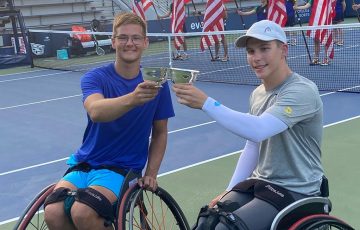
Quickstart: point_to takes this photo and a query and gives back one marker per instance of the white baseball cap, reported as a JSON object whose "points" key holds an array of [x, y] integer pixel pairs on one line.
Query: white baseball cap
{"points": [[263, 30]]}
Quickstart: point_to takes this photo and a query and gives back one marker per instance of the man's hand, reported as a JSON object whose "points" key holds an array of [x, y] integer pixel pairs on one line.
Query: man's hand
{"points": [[216, 199], [144, 92], [189, 95], [148, 183]]}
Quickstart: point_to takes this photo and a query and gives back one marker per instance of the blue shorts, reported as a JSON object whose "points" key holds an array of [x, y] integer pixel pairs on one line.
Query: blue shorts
{"points": [[339, 17], [95, 177]]}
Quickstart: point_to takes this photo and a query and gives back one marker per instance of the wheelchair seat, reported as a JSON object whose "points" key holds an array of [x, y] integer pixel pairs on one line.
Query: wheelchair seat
{"points": [[299, 209], [309, 213]]}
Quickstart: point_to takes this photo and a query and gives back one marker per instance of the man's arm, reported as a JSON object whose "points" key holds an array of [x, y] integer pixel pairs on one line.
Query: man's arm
{"points": [[246, 164], [102, 109], [304, 7], [156, 153], [242, 13]]}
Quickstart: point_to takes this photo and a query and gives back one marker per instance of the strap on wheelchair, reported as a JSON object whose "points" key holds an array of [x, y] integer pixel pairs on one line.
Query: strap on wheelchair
{"points": [[96, 201], [324, 188], [57, 195], [88, 196], [222, 214]]}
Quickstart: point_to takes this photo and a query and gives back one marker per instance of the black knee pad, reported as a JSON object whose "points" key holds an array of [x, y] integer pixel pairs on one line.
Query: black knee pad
{"points": [[96, 201], [232, 221], [57, 195], [211, 217]]}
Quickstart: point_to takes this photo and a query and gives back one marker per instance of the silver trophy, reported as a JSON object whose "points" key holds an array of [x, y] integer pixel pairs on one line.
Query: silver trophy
{"points": [[156, 74], [182, 75]]}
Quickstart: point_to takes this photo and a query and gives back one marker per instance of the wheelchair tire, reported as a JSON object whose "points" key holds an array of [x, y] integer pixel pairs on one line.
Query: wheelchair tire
{"points": [[143, 209], [33, 214], [320, 222]]}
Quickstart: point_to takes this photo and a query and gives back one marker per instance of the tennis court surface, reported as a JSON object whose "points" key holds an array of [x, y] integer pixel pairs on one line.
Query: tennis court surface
{"points": [[42, 122]]}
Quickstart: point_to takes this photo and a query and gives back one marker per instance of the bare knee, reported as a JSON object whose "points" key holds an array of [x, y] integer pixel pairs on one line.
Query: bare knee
{"points": [[55, 216], [84, 217]]}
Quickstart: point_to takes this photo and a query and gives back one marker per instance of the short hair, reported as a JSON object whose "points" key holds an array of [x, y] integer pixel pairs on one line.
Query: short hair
{"points": [[126, 19]]}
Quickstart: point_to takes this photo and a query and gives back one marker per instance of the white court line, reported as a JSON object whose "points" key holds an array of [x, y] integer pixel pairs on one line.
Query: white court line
{"points": [[25, 72], [32, 77], [165, 173], [62, 98], [178, 130], [39, 102], [169, 172], [63, 159], [55, 99], [33, 166], [78, 95]]}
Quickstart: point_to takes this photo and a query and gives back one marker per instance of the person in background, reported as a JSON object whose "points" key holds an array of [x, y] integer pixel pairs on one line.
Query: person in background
{"points": [[315, 60], [123, 111], [223, 42], [260, 11], [291, 21], [178, 55], [340, 8], [356, 7], [281, 160]]}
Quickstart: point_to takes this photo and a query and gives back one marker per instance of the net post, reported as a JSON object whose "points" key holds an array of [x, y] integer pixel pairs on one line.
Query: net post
{"points": [[303, 35]]}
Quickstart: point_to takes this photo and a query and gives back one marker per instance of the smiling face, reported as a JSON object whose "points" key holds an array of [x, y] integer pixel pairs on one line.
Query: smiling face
{"points": [[129, 38], [266, 58], [129, 42]]}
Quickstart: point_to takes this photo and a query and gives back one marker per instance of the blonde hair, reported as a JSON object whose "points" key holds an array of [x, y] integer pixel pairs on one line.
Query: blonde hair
{"points": [[126, 19]]}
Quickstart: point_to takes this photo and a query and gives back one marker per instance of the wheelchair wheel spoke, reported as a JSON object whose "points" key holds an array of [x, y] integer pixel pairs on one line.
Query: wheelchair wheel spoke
{"points": [[33, 216], [152, 211]]}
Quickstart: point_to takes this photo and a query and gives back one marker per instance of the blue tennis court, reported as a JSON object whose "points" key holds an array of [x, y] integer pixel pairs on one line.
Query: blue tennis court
{"points": [[43, 122]]}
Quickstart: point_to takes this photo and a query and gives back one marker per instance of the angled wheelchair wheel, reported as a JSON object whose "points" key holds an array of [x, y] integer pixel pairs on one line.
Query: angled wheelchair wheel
{"points": [[33, 216], [142, 209], [320, 222]]}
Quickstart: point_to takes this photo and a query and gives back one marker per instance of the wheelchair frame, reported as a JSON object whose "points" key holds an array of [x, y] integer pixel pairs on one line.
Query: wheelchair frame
{"points": [[305, 214], [132, 198]]}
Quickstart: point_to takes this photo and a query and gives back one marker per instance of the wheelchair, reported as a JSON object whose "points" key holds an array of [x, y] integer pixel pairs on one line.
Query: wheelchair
{"points": [[312, 213], [137, 208]]}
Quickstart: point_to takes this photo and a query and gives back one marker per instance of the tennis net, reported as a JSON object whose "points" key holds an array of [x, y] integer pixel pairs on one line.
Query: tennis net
{"points": [[59, 50]]}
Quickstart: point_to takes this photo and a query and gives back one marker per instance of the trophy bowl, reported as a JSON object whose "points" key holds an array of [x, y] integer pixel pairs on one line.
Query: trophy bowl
{"points": [[182, 75], [156, 74]]}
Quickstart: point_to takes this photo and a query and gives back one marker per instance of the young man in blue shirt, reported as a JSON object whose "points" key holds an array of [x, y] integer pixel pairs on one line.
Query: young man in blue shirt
{"points": [[123, 111]]}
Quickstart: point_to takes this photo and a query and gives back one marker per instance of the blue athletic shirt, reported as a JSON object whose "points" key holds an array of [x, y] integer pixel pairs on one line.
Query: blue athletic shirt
{"points": [[123, 142]]}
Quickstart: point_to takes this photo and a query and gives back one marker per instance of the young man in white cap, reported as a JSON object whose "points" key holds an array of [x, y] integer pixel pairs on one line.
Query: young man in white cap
{"points": [[281, 159]]}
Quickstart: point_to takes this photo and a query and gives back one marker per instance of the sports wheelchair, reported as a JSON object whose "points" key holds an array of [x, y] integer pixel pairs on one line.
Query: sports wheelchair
{"points": [[310, 213], [137, 209]]}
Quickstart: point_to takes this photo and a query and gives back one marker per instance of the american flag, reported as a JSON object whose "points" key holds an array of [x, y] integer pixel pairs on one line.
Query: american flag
{"points": [[277, 12], [322, 14], [140, 6], [326, 35], [213, 21], [177, 21]]}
